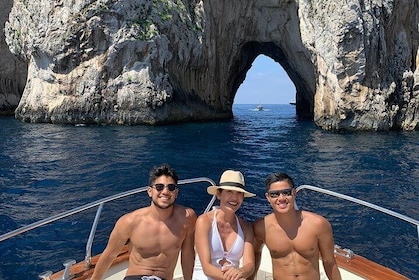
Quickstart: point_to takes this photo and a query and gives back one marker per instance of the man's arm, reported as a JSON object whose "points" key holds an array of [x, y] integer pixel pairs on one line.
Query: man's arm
{"points": [[259, 240], [326, 247], [188, 251], [117, 240]]}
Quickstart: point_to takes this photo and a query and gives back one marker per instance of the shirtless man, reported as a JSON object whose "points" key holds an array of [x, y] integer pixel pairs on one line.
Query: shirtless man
{"points": [[154, 234], [294, 238]]}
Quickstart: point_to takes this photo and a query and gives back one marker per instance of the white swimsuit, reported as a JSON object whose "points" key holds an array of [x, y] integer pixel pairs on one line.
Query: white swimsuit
{"points": [[217, 250]]}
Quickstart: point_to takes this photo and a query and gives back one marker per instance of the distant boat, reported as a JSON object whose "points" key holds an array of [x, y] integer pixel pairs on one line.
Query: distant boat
{"points": [[292, 103], [260, 107]]}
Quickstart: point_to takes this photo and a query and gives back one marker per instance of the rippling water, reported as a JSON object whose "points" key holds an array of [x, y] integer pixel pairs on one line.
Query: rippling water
{"points": [[46, 169]]}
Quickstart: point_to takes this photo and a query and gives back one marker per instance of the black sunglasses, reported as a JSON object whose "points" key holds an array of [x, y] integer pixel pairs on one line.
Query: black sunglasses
{"points": [[277, 193], [160, 187]]}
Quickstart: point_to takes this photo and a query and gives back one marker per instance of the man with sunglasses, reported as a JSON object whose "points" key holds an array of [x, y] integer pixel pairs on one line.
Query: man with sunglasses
{"points": [[295, 238], [155, 234]]}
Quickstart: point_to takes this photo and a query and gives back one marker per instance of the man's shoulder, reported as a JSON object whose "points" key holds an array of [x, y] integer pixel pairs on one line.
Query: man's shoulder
{"points": [[314, 218], [131, 219], [135, 214], [182, 207], [184, 210], [140, 211], [260, 222], [266, 217], [259, 229], [310, 214]]}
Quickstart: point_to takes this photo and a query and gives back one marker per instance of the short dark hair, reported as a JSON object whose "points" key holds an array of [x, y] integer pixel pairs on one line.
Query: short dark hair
{"points": [[278, 177], [162, 170]]}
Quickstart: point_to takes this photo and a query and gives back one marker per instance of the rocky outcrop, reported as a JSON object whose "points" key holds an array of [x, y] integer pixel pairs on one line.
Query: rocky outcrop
{"points": [[354, 64], [367, 75], [12, 71]]}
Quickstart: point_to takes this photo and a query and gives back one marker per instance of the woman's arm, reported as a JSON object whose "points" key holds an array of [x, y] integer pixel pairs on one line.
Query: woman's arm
{"points": [[248, 260], [202, 245]]}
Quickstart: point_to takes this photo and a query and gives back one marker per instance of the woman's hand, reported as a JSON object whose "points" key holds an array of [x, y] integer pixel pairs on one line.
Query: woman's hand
{"points": [[232, 273]]}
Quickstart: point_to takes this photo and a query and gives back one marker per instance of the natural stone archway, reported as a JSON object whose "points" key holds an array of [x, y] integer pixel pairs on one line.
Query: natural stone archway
{"points": [[304, 93], [354, 65]]}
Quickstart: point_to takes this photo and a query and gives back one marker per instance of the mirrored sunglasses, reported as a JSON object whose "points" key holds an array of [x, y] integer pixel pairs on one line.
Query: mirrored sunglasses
{"points": [[277, 193], [160, 187]]}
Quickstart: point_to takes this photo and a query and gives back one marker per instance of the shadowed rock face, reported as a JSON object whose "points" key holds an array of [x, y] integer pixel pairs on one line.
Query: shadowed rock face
{"points": [[354, 65], [12, 71]]}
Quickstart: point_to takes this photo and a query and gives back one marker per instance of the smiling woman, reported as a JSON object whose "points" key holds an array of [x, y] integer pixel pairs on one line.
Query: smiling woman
{"points": [[221, 238], [266, 83]]}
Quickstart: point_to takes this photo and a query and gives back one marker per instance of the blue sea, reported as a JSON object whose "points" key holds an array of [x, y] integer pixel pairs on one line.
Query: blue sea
{"points": [[46, 169]]}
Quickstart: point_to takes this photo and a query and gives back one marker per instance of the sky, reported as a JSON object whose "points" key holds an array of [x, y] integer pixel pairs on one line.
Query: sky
{"points": [[266, 83]]}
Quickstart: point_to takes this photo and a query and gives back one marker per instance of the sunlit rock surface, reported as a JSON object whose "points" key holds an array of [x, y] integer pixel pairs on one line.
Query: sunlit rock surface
{"points": [[353, 63]]}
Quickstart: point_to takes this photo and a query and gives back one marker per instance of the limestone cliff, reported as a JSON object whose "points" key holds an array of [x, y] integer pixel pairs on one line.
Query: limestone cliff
{"points": [[354, 63]]}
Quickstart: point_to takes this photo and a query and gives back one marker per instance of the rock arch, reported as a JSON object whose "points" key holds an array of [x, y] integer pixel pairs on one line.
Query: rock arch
{"points": [[354, 65], [304, 90]]}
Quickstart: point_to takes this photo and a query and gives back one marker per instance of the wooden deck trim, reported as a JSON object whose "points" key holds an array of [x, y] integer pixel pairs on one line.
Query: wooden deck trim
{"points": [[368, 269], [80, 272]]}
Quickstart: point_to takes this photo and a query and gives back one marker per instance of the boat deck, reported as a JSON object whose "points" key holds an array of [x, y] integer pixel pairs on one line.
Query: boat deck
{"points": [[351, 266], [350, 269]]}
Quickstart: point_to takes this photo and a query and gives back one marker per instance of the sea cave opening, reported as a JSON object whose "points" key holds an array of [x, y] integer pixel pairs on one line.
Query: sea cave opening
{"points": [[266, 82]]}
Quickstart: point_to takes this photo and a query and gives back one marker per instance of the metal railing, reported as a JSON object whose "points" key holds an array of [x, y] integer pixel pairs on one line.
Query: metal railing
{"points": [[100, 203], [361, 202]]}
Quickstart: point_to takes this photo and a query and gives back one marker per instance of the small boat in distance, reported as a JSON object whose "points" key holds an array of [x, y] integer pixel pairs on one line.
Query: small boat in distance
{"points": [[351, 265], [293, 103], [259, 107]]}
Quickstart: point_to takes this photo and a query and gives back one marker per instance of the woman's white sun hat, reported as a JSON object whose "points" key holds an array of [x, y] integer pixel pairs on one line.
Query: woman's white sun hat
{"points": [[231, 180]]}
